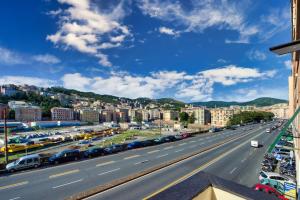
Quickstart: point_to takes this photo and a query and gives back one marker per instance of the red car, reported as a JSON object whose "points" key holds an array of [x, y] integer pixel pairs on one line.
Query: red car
{"points": [[185, 135], [269, 190]]}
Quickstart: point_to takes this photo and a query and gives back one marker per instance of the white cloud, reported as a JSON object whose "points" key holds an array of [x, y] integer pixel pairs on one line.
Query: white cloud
{"points": [[88, 29], [187, 87], [21, 80], [204, 14], [168, 31], [288, 64], [47, 58], [10, 57], [256, 55]]}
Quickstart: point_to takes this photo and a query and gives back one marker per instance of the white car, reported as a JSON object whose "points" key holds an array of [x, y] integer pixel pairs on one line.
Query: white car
{"points": [[254, 143], [268, 130]]}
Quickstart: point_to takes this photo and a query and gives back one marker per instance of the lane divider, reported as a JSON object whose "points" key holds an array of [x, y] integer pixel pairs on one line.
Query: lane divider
{"points": [[115, 183], [130, 157], [106, 163], [64, 173], [13, 185]]}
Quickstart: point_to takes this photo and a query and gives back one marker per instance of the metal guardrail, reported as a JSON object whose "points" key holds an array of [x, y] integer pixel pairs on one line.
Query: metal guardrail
{"points": [[283, 130]]}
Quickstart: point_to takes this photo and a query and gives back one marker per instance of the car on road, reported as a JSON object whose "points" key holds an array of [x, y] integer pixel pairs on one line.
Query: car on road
{"points": [[25, 162], [268, 130], [269, 190], [94, 152], [254, 143], [65, 156]]}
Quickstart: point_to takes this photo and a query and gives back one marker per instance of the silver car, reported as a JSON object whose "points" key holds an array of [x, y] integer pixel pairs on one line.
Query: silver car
{"points": [[24, 162]]}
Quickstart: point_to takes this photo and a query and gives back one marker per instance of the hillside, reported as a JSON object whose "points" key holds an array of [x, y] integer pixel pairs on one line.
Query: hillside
{"points": [[259, 102]]}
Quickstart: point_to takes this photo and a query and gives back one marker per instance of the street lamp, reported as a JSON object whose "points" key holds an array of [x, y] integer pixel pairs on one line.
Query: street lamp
{"points": [[286, 48]]}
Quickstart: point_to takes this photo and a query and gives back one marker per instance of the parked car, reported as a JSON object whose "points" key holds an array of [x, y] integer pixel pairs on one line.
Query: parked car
{"points": [[269, 190], [186, 135], [147, 143], [25, 162], [94, 152], [179, 137], [65, 156], [281, 155], [171, 138], [115, 148], [134, 145], [266, 178]]}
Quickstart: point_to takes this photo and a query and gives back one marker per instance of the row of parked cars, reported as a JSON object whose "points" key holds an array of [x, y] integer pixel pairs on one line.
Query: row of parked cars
{"points": [[278, 168], [36, 160]]}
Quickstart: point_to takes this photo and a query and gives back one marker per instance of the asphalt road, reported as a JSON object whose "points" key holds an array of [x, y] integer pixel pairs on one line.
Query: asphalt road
{"points": [[235, 161], [62, 181]]}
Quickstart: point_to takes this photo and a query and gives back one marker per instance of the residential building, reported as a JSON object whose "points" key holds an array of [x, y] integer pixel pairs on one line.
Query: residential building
{"points": [[8, 90], [2, 108], [62, 114], [15, 104], [28, 113], [89, 115], [145, 115], [169, 115], [106, 116], [154, 114], [201, 114], [221, 116]]}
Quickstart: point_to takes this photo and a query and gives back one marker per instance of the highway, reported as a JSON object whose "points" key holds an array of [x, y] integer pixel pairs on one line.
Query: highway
{"points": [[62, 181]]}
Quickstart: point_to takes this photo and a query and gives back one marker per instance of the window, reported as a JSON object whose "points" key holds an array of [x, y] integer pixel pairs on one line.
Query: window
{"points": [[22, 162], [29, 161]]}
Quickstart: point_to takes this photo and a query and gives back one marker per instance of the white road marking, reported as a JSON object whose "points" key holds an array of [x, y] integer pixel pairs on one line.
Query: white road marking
{"points": [[154, 151], [130, 157], [67, 184], [15, 198], [109, 171], [141, 162], [170, 147], [192, 141], [162, 155], [232, 170], [106, 163], [182, 144], [179, 150]]}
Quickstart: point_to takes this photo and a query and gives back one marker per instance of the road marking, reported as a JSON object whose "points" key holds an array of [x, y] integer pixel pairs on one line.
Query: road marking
{"points": [[182, 144], [170, 147], [202, 167], [153, 151], [67, 184], [232, 170], [109, 171], [141, 162], [15, 198], [64, 173], [130, 157], [162, 155], [106, 163], [13, 185], [179, 150], [192, 141]]}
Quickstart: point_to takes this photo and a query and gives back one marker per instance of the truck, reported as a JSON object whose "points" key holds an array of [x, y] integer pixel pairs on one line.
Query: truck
{"points": [[254, 143]]}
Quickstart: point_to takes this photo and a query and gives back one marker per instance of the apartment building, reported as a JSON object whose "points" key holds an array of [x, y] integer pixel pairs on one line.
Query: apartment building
{"points": [[2, 108], [221, 116], [169, 115], [28, 113], [89, 115], [201, 114], [154, 114], [62, 114]]}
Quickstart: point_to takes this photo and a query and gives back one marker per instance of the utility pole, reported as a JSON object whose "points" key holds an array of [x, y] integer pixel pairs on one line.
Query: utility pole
{"points": [[5, 135]]}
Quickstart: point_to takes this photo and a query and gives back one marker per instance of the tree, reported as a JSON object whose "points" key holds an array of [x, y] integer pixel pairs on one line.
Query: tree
{"points": [[191, 119], [138, 119], [183, 117]]}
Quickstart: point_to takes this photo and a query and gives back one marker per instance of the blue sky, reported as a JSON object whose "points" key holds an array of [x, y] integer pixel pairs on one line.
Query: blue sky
{"points": [[189, 50]]}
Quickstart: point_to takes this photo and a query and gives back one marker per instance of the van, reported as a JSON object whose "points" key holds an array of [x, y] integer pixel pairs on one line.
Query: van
{"points": [[25, 162], [254, 143]]}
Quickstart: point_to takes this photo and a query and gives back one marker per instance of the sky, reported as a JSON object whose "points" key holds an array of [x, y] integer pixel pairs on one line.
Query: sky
{"points": [[189, 50]]}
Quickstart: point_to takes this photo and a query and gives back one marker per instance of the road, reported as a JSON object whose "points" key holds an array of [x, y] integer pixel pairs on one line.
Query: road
{"points": [[62, 181]]}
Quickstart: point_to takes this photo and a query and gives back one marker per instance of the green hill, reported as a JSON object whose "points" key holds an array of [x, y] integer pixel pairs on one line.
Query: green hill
{"points": [[259, 102]]}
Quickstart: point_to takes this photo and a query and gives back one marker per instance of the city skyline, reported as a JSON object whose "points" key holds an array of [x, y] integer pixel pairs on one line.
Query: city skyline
{"points": [[189, 51]]}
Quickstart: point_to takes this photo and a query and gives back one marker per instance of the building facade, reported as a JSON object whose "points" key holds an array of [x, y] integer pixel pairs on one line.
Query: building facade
{"points": [[62, 114], [221, 116], [169, 115], [28, 113], [88, 115]]}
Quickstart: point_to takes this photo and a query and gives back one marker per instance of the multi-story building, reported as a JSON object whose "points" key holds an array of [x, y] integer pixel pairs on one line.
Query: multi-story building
{"points": [[62, 114], [221, 116], [28, 113], [89, 115], [169, 115], [154, 114], [106, 115], [145, 115], [8, 90], [201, 114], [15, 104]]}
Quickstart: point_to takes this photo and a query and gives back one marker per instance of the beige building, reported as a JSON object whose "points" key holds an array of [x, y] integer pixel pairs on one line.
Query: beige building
{"points": [[201, 114], [280, 111], [62, 114], [28, 113], [107, 115], [221, 116], [89, 115], [169, 115]]}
